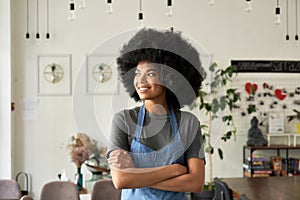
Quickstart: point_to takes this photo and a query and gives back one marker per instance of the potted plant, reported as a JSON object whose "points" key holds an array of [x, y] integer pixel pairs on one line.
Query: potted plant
{"points": [[217, 103]]}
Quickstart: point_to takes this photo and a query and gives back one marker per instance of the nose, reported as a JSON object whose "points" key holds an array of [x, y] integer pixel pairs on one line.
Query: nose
{"points": [[142, 78]]}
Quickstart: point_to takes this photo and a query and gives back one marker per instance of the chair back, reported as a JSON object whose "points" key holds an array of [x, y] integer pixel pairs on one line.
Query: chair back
{"points": [[9, 189], [222, 191], [59, 190], [104, 189]]}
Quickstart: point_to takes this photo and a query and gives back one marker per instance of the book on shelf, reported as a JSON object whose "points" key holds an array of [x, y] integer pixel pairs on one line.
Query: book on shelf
{"points": [[263, 171], [248, 174], [293, 166]]}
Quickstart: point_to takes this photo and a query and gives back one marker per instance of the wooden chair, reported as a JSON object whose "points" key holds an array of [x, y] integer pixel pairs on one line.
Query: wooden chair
{"points": [[104, 189], [59, 190]]}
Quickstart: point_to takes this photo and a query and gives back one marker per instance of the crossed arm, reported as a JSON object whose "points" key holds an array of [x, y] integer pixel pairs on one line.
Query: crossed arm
{"points": [[175, 177]]}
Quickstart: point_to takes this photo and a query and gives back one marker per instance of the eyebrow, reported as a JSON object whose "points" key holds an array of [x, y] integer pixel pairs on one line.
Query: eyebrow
{"points": [[151, 69]]}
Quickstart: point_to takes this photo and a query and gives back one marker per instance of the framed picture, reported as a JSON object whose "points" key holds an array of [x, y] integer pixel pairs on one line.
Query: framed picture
{"points": [[54, 75], [101, 75]]}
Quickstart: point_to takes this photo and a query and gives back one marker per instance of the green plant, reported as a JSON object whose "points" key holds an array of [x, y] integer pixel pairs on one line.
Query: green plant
{"points": [[218, 102]]}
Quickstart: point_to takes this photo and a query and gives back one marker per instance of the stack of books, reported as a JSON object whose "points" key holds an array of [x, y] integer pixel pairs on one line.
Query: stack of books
{"points": [[260, 166], [291, 166]]}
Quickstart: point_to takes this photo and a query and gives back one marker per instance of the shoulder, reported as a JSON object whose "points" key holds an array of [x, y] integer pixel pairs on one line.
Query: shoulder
{"points": [[126, 115], [188, 121], [188, 116]]}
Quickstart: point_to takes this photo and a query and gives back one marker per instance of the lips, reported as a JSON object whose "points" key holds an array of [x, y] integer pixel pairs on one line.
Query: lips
{"points": [[143, 88]]}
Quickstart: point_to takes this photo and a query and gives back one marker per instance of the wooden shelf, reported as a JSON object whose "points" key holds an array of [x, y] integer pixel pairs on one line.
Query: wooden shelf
{"points": [[249, 170], [272, 147]]}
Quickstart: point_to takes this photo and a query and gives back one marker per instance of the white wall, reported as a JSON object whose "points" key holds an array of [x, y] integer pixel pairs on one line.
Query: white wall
{"points": [[225, 30], [6, 152]]}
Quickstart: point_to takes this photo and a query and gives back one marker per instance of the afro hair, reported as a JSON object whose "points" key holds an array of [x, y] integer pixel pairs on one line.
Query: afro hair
{"points": [[181, 68]]}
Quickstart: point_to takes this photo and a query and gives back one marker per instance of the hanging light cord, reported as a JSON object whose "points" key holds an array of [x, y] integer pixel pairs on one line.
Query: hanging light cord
{"points": [[140, 14], [37, 20], [287, 20], [140, 5], [296, 6], [27, 35], [47, 34], [27, 17]]}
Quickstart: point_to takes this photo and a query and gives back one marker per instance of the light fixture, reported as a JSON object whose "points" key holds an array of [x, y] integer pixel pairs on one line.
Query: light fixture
{"points": [[249, 7], [71, 15], [170, 10], [27, 35], [82, 4], [277, 13], [141, 16], [47, 34], [287, 36], [109, 7], [37, 35], [53, 73], [296, 23], [211, 2]]}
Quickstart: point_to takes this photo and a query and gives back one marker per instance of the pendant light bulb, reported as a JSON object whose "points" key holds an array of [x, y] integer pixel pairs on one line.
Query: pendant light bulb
{"points": [[287, 37], [277, 13], [296, 40], [71, 15], [211, 2], [37, 37], [249, 7], [82, 4], [27, 37], [48, 36], [109, 9], [141, 24], [141, 20], [277, 21], [170, 9]]}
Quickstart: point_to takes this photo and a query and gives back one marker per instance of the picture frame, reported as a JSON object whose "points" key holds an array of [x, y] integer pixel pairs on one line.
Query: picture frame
{"points": [[107, 84], [54, 75]]}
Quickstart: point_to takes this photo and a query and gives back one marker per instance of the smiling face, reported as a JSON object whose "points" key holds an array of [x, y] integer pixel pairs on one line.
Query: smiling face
{"points": [[148, 84]]}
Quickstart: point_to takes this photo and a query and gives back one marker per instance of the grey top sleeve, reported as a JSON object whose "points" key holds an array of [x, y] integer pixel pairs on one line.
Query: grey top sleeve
{"points": [[124, 123]]}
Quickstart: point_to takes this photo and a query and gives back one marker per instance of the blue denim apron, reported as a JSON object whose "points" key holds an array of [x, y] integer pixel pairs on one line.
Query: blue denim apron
{"points": [[145, 157]]}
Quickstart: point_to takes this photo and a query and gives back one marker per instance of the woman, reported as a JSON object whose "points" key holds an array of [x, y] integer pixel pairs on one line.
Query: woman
{"points": [[156, 149]]}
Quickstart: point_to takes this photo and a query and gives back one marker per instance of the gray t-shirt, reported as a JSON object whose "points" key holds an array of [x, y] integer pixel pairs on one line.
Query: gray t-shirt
{"points": [[156, 132]]}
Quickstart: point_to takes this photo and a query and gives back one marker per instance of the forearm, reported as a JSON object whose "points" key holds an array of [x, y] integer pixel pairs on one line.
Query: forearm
{"points": [[183, 183], [191, 182], [143, 177]]}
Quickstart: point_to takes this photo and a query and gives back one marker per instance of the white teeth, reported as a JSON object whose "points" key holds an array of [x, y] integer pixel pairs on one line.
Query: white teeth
{"points": [[143, 89]]}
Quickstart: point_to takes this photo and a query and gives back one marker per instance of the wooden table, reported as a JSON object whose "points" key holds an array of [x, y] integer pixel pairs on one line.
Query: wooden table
{"points": [[265, 188]]}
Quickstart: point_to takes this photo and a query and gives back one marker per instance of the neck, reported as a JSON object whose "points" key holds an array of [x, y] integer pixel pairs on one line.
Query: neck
{"points": [[156, 108]]}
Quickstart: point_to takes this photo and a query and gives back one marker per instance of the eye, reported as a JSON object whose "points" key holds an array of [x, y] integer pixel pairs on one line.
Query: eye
{"points": [[151, 74], [137, 74]]}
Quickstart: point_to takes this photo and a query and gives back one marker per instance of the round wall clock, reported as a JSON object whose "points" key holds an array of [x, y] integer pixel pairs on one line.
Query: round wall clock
{"points": [[102, 72], [53, 73]]}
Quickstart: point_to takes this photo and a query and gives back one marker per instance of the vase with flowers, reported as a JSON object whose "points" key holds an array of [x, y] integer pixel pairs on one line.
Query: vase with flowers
{"points": [[79, 154], [85, 150]]}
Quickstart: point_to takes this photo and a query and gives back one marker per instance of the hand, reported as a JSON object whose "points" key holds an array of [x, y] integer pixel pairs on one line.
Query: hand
{"points": [[120, 159], [180, 169]]}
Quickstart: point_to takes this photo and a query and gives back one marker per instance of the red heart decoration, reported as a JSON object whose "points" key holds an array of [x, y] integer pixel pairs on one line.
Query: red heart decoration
{"points": [[279, 94], [251, 88]]}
